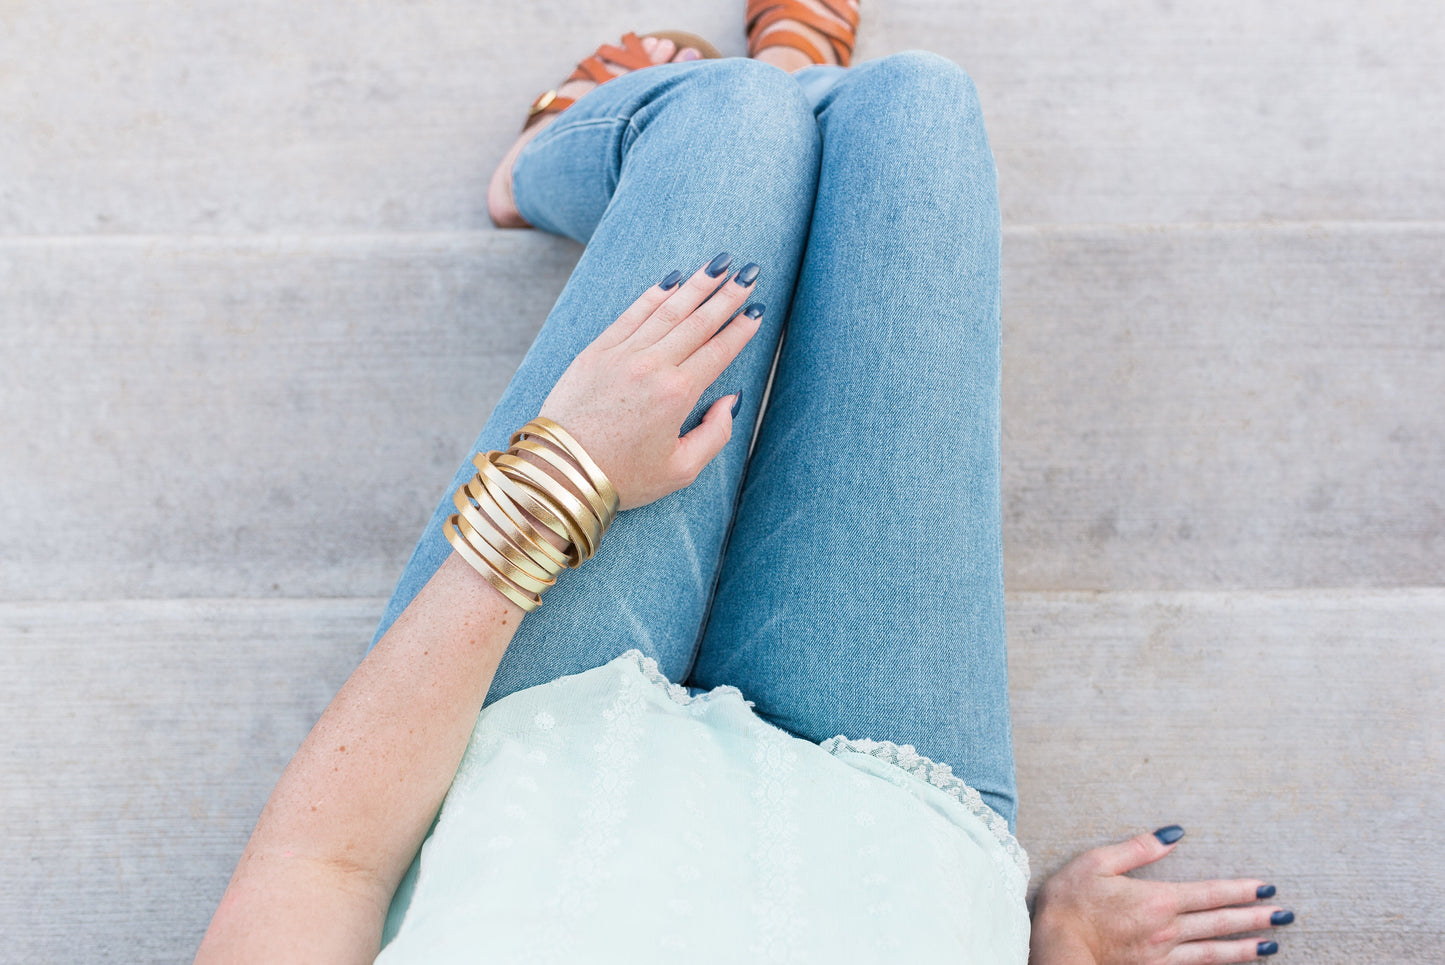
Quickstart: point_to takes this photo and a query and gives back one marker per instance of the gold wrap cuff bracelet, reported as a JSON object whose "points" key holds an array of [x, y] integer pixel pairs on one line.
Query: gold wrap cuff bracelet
{"points": [[507, 510]]}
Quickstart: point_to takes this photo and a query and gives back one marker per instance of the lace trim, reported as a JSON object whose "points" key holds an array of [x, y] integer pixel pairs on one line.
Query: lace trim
{"points": [[905, 758], [941, 776], [677, 692]]}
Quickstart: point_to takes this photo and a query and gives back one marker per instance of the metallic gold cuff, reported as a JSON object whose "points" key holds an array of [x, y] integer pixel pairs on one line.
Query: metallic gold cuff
{"points": [[478, 541], [517, 526], [552, 432], [482, 520], [584, 528], [527, 602], [557, 458]]}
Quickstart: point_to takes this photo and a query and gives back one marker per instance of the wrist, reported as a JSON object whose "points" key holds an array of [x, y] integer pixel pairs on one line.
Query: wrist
{"points": [[1056, 939]]}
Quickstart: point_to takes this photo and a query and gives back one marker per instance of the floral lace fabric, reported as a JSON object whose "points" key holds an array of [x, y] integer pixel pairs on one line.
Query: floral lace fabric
{"points": [[612, 816]]}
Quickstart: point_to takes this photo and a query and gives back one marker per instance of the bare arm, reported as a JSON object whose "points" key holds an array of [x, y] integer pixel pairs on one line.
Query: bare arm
{"points": [[353, 805], [337, 834]]}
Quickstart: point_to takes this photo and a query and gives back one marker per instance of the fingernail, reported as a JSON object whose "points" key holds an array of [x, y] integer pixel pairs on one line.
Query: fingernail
{"points": [[1264, 891], [754, 311], [671, 280], [736, 403], [718, 265], [1281, 918], [1266, 948], [1170, 834], [748, 275]]}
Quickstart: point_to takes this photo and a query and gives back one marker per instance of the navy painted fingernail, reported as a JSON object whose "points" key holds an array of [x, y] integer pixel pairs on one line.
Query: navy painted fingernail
{"points": [[736, 404], [754, 311], [671, 280], [748, 275], [1170, 834], [1281, 918], [718, 265], [1266, 948], [1264, 891]]}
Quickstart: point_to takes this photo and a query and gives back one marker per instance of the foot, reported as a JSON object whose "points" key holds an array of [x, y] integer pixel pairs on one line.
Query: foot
{"points": [[791, 58], [500, 203]]}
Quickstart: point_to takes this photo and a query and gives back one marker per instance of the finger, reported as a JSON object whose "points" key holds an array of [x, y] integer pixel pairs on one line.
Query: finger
{"points": [[681, 303], [1231, 921], [637, 313], [696, 449], [1217, 953], [694, 330], [1116, 859], [1202, 895], [709, 361]]}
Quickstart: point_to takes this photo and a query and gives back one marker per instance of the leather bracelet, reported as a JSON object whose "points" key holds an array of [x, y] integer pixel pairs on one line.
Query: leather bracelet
{"points": [[552, 432], [585, 528], [477, 540], [541, 510], [519, 528], [516, 496], [483, 523], [558, 459], [527, 602]]}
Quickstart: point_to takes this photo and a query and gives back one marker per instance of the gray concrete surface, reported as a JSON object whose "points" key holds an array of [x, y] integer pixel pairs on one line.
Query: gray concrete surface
{"points": [[245, 263]]}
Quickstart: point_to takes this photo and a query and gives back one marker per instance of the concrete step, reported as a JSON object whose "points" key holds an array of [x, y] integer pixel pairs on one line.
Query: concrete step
{"points": [[1296, 736], [1183, 407], [209, 116]]}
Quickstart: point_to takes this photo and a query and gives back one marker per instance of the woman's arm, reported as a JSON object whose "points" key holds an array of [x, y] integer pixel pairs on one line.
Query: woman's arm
{"points": [[351, 808], [332, 843], [1092, 913]]}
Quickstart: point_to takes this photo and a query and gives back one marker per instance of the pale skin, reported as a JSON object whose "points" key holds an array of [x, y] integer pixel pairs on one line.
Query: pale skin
{"points": [[353, 806]]}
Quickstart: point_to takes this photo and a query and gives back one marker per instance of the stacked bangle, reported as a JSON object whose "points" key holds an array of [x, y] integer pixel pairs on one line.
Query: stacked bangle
{"points": [[499, 511]]}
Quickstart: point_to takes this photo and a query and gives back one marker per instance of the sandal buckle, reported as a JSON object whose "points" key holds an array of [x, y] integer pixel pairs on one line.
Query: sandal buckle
{"points": [[541, 103]]}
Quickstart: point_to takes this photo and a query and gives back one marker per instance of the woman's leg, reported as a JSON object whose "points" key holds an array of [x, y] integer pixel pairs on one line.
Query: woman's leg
{"points": [[657, 170], [862, 588]]}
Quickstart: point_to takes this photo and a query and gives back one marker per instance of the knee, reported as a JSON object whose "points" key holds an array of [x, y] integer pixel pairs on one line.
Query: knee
{"points": [[919, 82], [759, 101]]}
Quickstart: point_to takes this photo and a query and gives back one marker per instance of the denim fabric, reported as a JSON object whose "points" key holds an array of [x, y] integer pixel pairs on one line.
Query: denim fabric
{"points": [[848, 576]]}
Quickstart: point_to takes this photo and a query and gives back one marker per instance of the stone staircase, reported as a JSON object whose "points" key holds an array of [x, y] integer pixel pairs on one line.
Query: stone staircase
{"points": [[246, 272]]}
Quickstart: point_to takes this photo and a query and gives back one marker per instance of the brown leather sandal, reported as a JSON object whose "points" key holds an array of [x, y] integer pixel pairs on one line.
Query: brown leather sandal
{"points": [[630, 55], [762, 14]]}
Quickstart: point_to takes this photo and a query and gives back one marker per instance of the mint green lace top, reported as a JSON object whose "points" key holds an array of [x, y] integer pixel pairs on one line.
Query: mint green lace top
{"points": [[611, 817]]}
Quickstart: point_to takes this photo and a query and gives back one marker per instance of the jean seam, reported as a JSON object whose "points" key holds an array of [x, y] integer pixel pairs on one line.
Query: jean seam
{"points": [[733, 514]]}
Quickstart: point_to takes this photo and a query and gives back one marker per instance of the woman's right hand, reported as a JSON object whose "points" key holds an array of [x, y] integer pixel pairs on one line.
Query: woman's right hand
{"points": [[625, 396], [1092, 913]]}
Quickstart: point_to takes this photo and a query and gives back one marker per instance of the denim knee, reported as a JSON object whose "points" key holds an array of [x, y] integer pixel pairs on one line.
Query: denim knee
{"points": [[758, 106], [913, 84]]}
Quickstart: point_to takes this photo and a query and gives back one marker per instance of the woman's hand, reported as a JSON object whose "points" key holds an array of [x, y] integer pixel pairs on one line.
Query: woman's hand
{"points": [[626, 395], [1092, 913]]}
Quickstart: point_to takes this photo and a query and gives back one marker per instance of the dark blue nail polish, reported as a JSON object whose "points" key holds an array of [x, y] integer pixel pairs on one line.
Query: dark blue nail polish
{"points": [[1266, 948], [718, 265], [1264, 891], [1282, 918], [748, 275], [1170, 834], [671, 280], [754, 311], [737, 403]]}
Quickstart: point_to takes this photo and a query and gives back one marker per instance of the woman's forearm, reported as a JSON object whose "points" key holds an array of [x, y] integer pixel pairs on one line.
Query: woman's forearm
{"points": [[355, 802]]}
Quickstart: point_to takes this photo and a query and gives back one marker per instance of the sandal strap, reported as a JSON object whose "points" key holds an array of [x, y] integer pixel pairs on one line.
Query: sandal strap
{"points": [[762, 14], [783, 37], [630, 55]]}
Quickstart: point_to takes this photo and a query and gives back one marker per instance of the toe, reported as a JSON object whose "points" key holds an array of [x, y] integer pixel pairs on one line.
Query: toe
{"points": [[687, 53], [662, 50]]}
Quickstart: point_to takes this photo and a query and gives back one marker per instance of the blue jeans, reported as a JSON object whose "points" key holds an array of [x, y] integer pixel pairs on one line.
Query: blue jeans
{"points": [[848, 576]]}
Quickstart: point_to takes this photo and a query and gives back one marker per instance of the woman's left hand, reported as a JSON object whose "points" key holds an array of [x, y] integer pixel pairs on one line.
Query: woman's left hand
{"points": [[1092, 913]]}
